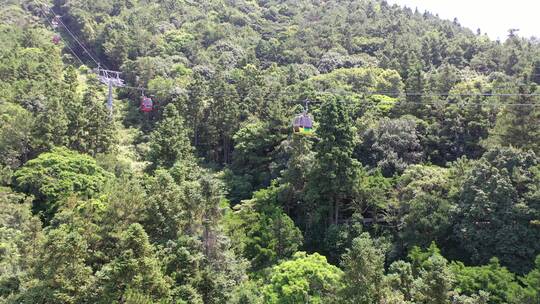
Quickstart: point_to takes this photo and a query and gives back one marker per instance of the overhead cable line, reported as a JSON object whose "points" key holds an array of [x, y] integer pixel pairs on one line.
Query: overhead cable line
{"points": [[66, 43], [387, 93], [72, 35]]}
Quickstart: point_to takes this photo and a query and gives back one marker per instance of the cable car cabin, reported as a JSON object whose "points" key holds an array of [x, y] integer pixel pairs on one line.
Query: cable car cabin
{"points": [[56, 39], [303, 124], [147, 105], [56, 21]]}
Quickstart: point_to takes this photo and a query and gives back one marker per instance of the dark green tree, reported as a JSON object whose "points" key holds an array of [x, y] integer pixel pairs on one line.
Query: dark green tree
{"points": [[16, 138], [20, 238], [169, 141], [97, 130], [517, 125], [391, 146], [267, 234], [223, 120], [51, 125], [333, 177], [255, 161], [425, 208], [135, 269], [61, 274], [197, 103], [497, 206]]}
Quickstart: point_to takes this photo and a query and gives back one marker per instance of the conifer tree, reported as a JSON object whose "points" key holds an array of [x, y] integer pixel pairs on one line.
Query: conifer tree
{"points": [[363, 266], [223, 120], [197, 103], [61, 272], [169, 141], [135, 269], [93, 131], [52, 125], [73, 107], [335, 172], [518, 125]]}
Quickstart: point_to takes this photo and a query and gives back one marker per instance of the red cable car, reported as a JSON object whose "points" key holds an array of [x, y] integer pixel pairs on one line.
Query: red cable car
{"points": [[56, 39], [147, 105]]}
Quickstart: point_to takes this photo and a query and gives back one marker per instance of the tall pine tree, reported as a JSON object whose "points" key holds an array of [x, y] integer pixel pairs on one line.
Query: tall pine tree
{"points": [[330, 186], [169, 141], [518, 125]]}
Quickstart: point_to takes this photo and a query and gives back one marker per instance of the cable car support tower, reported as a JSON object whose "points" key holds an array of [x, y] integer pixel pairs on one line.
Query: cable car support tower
{"points": [[111, 79]]}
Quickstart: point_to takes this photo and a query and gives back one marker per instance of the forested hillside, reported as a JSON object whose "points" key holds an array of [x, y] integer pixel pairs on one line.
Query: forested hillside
{"points": [[419, 183]]}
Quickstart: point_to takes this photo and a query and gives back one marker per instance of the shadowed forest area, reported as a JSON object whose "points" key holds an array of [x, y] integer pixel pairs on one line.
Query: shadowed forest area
{"points": [[418, 181]]}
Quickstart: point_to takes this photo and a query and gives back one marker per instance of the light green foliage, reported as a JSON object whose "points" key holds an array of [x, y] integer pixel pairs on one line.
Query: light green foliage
{"points": [[433, 279], [500, 283], [305, 278], [426, 210], [363, 266], [531, 292], [415, 99], [20, 235], [481, 298], [384, 103], [55, 175], [176, 41], [16, 139], [360, 80], [400, 279]]}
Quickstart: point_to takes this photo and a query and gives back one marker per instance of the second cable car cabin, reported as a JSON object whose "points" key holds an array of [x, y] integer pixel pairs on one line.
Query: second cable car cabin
{"points": [[147, 104], [56, 21], [303, 123]]}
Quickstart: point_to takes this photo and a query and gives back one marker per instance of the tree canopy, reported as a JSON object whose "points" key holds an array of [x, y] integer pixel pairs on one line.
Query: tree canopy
{"points": [[418, 183]]}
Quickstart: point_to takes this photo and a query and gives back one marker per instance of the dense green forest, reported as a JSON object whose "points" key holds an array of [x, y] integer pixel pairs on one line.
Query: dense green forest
{"points": [[420, 183]]}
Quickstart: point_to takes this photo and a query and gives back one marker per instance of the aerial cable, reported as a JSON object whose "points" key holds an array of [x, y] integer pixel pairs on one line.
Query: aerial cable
{"points": [[448, 94], [442, 102], [106, 76], [116, 81], [98, 64], [66, 43], [397, 94]]}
